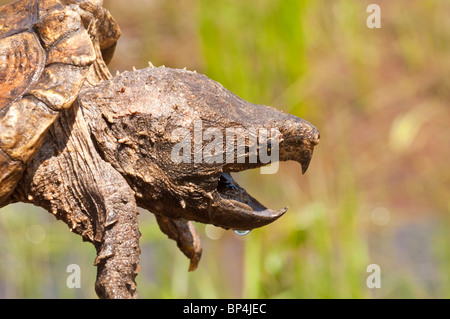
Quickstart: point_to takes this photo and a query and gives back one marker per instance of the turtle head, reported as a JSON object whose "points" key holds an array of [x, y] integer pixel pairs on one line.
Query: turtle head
{"points": [[178, 136]]}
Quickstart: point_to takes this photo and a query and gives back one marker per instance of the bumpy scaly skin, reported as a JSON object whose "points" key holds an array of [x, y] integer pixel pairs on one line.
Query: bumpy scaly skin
{"points": [[92, 161], [46, 50], [133, 117], [68, 178], [49, 49], [111, 153]]}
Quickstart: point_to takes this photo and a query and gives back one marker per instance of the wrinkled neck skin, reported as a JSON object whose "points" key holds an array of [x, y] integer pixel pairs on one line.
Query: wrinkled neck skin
{"points": [[145, 138], [137, 119]]}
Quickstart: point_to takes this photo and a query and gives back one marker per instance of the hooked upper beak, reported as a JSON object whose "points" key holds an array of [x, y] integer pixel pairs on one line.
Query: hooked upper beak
{"points": [[299, 140], [306, 153]]}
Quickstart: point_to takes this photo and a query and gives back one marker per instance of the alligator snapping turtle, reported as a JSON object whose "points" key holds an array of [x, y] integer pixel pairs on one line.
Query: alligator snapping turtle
{"points": [[91, 148], [47, 49]]}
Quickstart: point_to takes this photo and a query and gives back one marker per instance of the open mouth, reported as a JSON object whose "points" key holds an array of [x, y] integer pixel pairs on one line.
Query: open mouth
{"points": [[242, 210]]}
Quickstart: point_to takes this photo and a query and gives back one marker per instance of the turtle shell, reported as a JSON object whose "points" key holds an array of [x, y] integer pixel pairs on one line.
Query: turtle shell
{"points": [[46, 51]]}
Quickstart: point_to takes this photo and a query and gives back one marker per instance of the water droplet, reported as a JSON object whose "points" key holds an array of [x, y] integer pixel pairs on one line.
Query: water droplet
{"points": [[241, 232]]}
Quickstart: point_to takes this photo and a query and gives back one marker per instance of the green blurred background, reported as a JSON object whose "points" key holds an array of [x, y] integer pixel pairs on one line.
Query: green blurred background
{"points": [[377, 190]]}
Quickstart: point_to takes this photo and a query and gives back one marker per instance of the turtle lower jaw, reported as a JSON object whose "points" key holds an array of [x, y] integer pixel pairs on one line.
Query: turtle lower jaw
{"points": [[238, 210]]}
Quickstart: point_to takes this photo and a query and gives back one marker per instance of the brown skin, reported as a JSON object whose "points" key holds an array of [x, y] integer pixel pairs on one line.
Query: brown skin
{"points": [[48, 50], [110, 153], [133, 118], [90, 151], [68, 178]]}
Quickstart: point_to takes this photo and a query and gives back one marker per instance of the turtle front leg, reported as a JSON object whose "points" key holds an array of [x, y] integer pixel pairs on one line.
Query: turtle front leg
{"points": [[185, 234], [69, 179], [118, 251]]}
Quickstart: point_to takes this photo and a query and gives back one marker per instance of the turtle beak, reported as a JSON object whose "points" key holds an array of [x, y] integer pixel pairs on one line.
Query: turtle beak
{"points": [[305, 159], [237, 209], [299, 140], [306, 154]]}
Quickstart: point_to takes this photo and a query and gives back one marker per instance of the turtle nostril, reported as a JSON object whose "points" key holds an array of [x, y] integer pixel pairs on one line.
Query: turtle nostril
{"points": [[316, 138]]}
